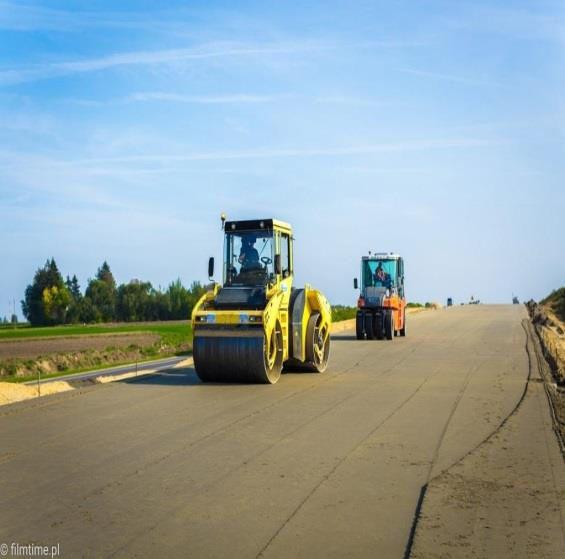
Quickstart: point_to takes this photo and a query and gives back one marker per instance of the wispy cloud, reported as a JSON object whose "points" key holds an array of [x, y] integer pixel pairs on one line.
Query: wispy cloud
{"points": [[165, 56], [28, 123], [26, 17], [204, 99], [227, 99], [212, 50], [79, 178], [514, 22], [449, 77], [347, 100], [259, 153]]}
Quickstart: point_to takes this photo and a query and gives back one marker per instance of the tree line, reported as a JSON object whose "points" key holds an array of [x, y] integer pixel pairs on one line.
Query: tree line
{"points": [[51, 300]]}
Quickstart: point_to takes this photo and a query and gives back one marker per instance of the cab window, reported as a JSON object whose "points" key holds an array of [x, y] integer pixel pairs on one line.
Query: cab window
{"points": [[285, 255]]}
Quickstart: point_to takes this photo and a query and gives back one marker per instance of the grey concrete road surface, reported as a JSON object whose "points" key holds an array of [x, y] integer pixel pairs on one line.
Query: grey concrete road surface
{"points": [[327, 465], [156, 364]]}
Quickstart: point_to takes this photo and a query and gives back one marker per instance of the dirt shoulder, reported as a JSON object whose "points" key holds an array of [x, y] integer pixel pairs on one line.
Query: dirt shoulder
{"points": [[550, 343], [505, 499], [10, 392], [37, 347]]}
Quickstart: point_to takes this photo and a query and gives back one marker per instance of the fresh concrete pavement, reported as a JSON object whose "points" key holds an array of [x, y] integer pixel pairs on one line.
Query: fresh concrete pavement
{"points": [[315, 466]]}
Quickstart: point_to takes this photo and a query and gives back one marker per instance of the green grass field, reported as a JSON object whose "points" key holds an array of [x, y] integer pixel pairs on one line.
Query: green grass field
{"points": [[173, 332], [343, 313]]}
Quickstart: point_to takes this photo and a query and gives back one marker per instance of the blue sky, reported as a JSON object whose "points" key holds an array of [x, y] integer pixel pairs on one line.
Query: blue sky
{"points": [[434, 129]]}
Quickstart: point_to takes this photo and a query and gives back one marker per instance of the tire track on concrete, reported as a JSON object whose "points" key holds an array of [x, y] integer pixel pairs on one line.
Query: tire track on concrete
{"points": [[424, 489], [236, 422], [343, 459], [223, 428], [328, 379], [354, 394]]}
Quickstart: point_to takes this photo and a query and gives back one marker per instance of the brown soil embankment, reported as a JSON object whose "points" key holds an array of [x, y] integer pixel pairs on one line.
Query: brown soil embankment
{"points": [[551, 339], [38, 347]]}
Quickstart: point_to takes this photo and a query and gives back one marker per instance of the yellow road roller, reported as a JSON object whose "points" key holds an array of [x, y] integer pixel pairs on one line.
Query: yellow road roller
{"points": [[256, 323]]}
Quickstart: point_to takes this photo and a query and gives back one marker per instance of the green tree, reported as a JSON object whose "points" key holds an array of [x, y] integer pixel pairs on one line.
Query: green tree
{"points": [[133, 301], [56, 301], [103, 297], [159, 306], [14, 319], [87, 312], [179, 300], [105, 274], [74, 287], [195, 292], [74, 310], [33, 304], [102, 293]]}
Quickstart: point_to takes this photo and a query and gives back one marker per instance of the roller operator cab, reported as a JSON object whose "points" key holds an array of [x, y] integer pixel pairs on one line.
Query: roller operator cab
{"points": [[257, 322], [381, 305]]}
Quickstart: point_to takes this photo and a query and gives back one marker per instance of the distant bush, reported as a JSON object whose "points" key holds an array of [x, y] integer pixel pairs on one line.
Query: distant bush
{"points": [[414, 305], [556, 300], [341, 312]]}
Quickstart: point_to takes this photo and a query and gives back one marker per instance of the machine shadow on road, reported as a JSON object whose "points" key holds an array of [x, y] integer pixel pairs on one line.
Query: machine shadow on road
{"points": [[343, 337], [186, 376], [183, 376]]}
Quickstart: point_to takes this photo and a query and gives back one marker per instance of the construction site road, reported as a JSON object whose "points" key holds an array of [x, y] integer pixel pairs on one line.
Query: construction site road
{"points": [[439, 444]]}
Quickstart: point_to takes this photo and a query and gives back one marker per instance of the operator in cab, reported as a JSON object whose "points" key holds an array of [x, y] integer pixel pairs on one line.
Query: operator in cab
{"points": [[381, 278], [248, 256]]}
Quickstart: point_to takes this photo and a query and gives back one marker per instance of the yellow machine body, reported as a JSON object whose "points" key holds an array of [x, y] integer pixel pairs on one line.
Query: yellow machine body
{"points": [[247, 329]]}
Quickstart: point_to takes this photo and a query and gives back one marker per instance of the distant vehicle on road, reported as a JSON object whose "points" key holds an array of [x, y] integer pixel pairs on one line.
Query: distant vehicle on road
{"points": [[382, 305], [449, 302]]}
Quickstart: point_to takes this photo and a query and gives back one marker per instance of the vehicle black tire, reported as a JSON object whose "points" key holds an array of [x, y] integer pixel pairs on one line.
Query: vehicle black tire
{"points": [[378, 326], [389, 325], [272, 357], [402, 331], [317, 344], [359, 327], [369, 326]]}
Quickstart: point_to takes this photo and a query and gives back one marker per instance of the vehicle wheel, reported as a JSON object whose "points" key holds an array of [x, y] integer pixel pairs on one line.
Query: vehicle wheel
{"points": [[359, 327], [273, 352], [369, 326], [317, 343], [378, 326], [403, 329], [389, 325]]}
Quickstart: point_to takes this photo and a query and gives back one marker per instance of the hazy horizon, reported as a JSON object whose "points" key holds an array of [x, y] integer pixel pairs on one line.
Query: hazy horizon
{"points": [[433, 130]]}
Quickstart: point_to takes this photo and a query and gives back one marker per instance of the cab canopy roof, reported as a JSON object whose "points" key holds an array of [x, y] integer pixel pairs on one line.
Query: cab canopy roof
{"points": [[383, 256], [257, 224]]}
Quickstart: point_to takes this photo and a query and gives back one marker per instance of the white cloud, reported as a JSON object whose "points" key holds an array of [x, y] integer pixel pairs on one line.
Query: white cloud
{"points": [[512, 22], [25, 17], [165, 56], [203, 99], [270, 153], [448, 77], [212, 50]]}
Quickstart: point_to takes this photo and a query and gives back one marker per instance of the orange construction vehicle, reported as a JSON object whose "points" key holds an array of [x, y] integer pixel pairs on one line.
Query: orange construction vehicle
{"points": [[382, 306]]}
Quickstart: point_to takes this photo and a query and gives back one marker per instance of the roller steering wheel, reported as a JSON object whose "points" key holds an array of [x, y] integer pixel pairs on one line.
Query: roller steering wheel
{"points": [[266, 260]]}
